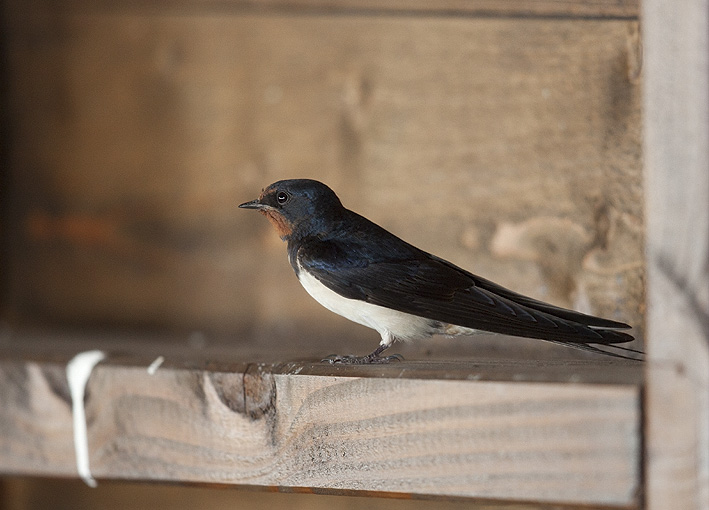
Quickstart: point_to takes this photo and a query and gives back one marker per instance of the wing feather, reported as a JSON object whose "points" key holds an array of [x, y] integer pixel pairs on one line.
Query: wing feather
{"points": [[412, 281]]}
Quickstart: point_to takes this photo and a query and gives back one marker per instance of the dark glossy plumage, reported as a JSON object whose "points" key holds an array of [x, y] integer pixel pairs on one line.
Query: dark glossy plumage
{"points": [[360, 260]]}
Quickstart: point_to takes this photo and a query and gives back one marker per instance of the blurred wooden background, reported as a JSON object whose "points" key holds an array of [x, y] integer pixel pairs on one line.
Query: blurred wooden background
{"points": [[508, 142], [504, 136]]}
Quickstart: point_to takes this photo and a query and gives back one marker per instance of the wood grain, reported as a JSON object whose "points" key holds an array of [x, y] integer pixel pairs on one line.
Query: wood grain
{"points": [[131, 349], [453, 133], [506, 441], [677, 204], [606, 9], [528, 8]]}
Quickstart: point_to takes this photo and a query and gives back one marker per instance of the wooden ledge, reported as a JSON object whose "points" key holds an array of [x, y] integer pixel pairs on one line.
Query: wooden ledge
{"points": [[586, 9], [518, 431]]}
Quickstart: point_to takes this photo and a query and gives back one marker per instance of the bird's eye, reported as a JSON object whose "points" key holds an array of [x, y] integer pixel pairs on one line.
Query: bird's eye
{"points": [[282, 197]]}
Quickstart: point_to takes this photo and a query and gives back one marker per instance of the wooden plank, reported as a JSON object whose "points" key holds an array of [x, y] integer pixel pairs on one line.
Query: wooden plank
{"points": [[509, 146], [676, 41], [132, 349], [258, 426], [606, 9], [556, 8]]}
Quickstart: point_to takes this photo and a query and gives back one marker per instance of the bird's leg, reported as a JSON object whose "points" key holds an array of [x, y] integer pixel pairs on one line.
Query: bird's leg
{"points": [[372, 358]]}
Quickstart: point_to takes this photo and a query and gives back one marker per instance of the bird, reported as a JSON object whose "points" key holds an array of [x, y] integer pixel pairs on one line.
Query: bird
{"points": [[359, 270]]}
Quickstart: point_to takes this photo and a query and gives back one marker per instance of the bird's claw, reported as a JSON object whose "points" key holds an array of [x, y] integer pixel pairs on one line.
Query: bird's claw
{"points": [[335, 359]]}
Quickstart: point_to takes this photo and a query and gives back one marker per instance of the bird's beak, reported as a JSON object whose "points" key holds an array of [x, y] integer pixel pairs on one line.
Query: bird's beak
{"points": [[254, 204]]}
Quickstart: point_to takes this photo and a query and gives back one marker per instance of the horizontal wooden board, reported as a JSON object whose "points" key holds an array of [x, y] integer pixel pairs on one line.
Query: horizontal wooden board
{"points": [[626, 9], [505, 441], [297, 359], [509, 146], [561, 8]]}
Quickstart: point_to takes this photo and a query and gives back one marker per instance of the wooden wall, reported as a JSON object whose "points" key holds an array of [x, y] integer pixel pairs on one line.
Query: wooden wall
{"points": [[506, 138], [677, 208]]}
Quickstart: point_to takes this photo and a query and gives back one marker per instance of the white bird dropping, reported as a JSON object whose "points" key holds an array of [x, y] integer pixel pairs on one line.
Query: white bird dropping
{"points": [[78, 371]]}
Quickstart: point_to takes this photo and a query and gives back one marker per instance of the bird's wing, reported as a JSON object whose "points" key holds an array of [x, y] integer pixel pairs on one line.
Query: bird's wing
{"points": [[424, 285], [557, 311]]}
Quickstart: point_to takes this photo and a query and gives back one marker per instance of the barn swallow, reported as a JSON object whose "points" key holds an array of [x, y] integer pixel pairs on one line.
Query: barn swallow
{"points": [[359, 270]]}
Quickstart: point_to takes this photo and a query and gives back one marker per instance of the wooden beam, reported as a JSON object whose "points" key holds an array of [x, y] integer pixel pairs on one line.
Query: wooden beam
{"points": [[585, 9], [294, 426], [547, 8], [676, 41]]}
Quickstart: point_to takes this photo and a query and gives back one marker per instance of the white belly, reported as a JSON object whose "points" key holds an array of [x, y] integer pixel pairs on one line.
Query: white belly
{"points": [[391, 324]]}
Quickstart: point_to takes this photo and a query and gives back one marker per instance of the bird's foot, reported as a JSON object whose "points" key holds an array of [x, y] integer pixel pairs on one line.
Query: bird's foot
{"points": [[336, 359], [369, 359]]}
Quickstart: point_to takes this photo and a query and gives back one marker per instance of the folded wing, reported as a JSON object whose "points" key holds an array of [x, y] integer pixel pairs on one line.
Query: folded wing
{"points": [[418, 283]]}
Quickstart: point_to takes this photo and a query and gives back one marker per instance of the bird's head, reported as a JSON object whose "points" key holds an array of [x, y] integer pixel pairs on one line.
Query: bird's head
{"points": [[298, 207]]}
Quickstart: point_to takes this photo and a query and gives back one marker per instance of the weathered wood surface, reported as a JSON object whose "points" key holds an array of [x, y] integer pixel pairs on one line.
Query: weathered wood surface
{"points": [[677, 204], [380, 430], [562, 8], [624, 9], [509, 146], [135, 349]]}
